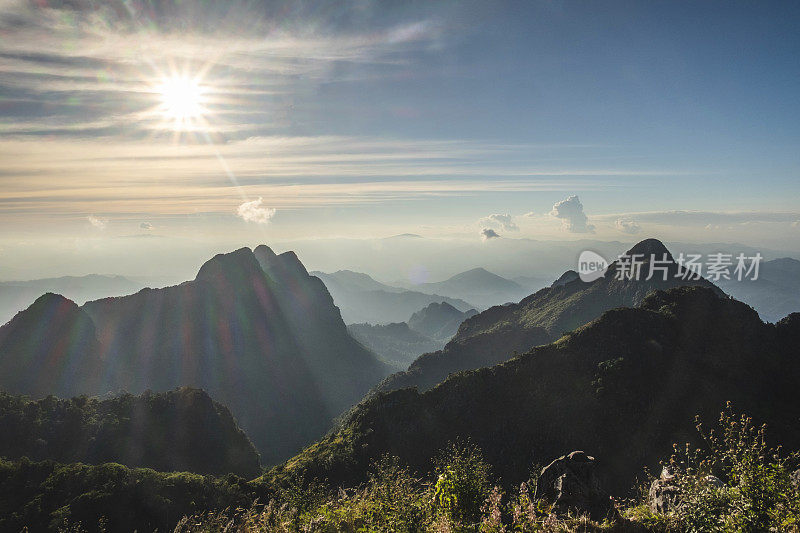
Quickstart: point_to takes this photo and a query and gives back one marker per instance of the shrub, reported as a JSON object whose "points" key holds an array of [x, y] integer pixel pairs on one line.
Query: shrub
{"points": [[734, 481], [463, 483]]}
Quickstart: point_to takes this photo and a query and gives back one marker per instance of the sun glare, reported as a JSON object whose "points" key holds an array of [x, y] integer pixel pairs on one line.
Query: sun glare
{"points": [[181, 101]]}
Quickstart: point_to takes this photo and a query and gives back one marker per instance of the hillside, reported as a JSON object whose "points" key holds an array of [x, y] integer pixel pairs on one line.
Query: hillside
{"points": [[180, 430], [496, 334], [623, 388], [361, 299], [258, 333]]}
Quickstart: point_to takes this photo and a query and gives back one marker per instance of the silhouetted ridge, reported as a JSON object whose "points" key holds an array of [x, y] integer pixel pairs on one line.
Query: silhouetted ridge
{"points": [[255, 331], [49, 348], [650, 247]]}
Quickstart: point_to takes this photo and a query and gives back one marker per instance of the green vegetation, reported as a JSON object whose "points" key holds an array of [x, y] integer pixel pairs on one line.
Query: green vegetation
{"points": [[180, 430], [50, 496], [755, 493], [733, 482]]}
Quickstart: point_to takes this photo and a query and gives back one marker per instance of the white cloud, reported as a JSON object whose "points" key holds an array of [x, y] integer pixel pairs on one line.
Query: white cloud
{"points": [[97, 222], [497, 220], [627, 225], [254, 211], [146, 226], [573, 219], [489, 233]]}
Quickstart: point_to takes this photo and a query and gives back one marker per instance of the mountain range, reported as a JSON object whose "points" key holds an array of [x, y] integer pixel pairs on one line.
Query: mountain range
{"points": [[254, 329], [362, 299], [400, 343], [496, 334], [477, 286], [617, 367], [623, 388]]}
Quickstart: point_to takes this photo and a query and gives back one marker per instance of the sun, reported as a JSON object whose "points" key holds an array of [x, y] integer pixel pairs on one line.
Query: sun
{"points": [[182, 101]]}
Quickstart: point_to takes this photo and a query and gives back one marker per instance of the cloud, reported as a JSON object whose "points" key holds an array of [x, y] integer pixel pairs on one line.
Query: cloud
{"points": [[573, 219], [489, 233], [253, 211], [505, 222], [146, 226], [627, 225], [97, 222], [705, 218]]}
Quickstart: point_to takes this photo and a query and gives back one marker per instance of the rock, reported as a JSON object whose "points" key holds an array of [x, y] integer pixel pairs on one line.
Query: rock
{"points": [[663, 495], [796, 479], [570, 483], [714, 481]]}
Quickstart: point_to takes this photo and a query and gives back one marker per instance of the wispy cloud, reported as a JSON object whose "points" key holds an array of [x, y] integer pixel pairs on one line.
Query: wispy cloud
{"points": [[142, 179], [99, 62], [97, 222], [703, 218]]}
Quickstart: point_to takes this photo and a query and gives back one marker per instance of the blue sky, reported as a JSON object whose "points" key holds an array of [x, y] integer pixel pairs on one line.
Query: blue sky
{"points": [[362, 119]]}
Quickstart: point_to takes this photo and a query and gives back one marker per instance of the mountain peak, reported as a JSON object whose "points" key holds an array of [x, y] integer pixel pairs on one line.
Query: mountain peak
{"points": [[567, 277], [224, 265], [262, 250], [650, 247], [53, 299]]}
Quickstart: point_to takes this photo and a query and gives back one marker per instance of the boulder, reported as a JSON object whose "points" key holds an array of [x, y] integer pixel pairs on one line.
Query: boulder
{"points": [[664, 493], [571, 485]]}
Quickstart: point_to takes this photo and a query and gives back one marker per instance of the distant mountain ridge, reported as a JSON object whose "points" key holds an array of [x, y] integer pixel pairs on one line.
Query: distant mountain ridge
{"points": [[478, 286], [439, 321], [18, 295], [362, 299], [496, 334], [776, 292], [396, 343], [623, 388], [254, 329], [400, 343]]}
